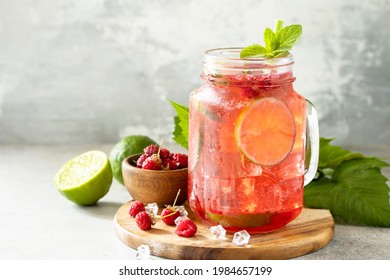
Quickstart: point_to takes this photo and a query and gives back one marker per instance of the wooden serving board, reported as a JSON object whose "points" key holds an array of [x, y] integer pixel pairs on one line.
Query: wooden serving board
{"points": [[310, 231]]}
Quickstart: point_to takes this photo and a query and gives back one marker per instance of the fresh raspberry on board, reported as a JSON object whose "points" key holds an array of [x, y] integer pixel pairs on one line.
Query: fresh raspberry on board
{"points": [[169, 215], [186, 228], [143, 220], [135, 208]]}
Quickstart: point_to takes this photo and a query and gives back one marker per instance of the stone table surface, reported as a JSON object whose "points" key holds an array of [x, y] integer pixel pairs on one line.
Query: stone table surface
{"points": [[37, 223]]}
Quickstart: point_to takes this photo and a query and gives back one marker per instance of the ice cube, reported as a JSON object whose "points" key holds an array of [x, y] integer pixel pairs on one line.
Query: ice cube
{"points": [[218, 231], [152, 208], [143, 252], [178, 219], [182, 210], [241, 238]]}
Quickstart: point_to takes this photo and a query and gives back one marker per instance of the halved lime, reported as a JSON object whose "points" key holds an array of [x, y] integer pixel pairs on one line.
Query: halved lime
{"points": [[85, 179]]}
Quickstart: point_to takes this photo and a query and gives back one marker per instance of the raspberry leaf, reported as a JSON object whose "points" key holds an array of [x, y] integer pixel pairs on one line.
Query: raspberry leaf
{"points": [[331, 156], [355, 191], [180, 134]]}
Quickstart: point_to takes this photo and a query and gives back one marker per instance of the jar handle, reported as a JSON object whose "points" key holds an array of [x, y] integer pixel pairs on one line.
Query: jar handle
{"points": [[312, 143]]}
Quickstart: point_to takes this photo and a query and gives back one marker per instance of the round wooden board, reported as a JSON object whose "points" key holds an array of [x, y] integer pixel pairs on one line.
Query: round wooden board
{"points": [[310, 231]]}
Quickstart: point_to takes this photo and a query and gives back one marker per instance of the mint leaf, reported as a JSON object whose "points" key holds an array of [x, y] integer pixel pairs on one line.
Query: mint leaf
{"points": [[356, 193], [254, 51], [270, 40], [180, 134], [289, 35], [278, 43]]}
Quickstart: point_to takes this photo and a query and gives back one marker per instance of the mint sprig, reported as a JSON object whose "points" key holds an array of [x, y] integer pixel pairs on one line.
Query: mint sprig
{"points": [[349, 184], [278, 43]]}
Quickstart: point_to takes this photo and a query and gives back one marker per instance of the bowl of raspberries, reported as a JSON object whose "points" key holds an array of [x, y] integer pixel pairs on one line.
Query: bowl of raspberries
{"points": [[156, 175]]}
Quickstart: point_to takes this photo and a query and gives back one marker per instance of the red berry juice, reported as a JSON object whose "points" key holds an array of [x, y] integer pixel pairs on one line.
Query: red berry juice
{"points": [[225, 185]]}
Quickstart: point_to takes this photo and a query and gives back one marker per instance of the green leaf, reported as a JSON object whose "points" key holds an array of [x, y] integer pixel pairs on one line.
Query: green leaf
{"points": [[254, 51], [356, 193], [281, 54], [270, 40], [180, 134], [277, 53], [331, 156], [289, 35], [277, 44]]}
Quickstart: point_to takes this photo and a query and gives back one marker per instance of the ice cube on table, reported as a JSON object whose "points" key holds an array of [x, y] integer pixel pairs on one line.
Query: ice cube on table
{"points": [[241, 238], [180, 218], [218, 231], [152, 208], [143, 252], [182, 210]]}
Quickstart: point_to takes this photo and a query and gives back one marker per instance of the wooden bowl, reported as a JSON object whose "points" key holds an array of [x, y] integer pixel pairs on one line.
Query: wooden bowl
{"points": [[160, 186]]}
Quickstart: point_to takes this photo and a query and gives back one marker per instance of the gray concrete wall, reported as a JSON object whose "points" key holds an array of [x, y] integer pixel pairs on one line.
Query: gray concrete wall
{"points": [[93, 71]]}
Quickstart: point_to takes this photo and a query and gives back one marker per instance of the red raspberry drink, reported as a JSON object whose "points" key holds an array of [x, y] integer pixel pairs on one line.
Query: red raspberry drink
{"points": [[247, 142]]}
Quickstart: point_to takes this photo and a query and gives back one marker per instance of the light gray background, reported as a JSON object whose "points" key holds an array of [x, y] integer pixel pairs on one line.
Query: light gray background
{"points": [[80, 74], [92, 71]]}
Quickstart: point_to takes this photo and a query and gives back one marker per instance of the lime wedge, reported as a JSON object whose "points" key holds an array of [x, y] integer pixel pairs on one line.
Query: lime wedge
{"points": [[85, 179]]}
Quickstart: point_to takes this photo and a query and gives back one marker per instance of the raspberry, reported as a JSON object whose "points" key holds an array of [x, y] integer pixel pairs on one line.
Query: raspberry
{"points": [[169, 164], [164, 153], [152, 163], [151, 150], [135, 208], [141, 160], [143, 220], [181, 159], [167, 215], [186, 228]]}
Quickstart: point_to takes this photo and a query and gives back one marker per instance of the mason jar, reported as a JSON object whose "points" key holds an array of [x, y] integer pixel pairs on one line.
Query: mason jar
{"points": [[253, 143]]}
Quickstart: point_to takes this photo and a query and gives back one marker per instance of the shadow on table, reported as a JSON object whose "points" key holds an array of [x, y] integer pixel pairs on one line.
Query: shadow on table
{"points": [[103, 209]]}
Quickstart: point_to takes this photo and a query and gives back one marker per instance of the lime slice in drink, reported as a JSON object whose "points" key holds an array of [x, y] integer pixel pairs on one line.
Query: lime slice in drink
{"points": [[265, 131], [85, 179]]}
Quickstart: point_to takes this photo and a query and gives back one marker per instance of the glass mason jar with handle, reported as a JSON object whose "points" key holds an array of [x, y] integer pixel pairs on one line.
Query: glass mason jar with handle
{"points": [[253, 143]]}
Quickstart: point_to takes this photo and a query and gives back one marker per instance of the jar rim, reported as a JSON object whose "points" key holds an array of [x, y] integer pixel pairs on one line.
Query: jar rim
{"points": [[227, 59], [232, 54]]}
